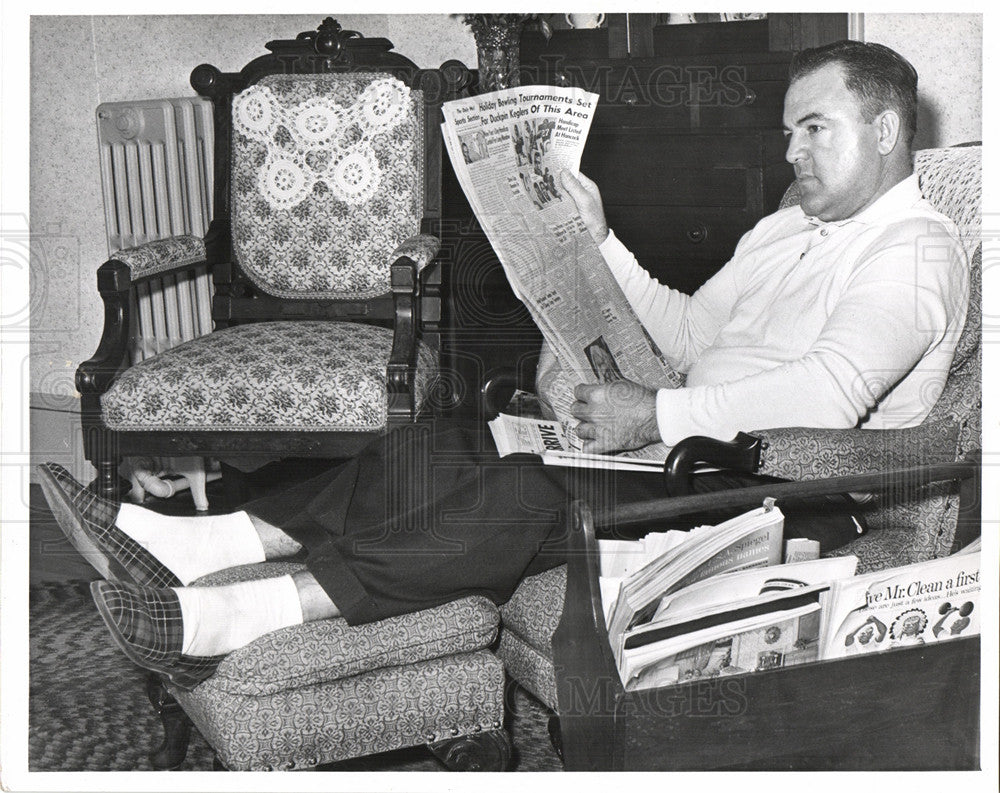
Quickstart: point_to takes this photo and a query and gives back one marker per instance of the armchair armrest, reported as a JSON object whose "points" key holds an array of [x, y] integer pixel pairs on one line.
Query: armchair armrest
{"points": [[408, 274], [800, 453], [162, 256], [115, 279], [419, 249]]}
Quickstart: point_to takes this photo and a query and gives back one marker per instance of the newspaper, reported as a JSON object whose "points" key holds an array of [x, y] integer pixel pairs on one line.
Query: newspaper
{"points": [[508, 148], [553, 441], [746, 541]]}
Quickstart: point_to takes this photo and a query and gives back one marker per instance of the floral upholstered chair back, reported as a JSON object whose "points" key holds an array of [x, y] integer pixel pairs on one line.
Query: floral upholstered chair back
{"points": [[327, 179]]}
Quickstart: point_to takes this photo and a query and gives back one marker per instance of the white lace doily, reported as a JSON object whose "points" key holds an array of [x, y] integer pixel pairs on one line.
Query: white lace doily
{"points": [[319, 126]]}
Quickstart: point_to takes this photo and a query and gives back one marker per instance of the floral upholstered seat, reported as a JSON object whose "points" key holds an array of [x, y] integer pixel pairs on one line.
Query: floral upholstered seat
{"points": [[322, 376], [325, 691]]}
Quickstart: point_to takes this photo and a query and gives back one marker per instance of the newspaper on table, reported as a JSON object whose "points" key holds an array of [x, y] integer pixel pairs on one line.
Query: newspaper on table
{"points": [[508, 148]]}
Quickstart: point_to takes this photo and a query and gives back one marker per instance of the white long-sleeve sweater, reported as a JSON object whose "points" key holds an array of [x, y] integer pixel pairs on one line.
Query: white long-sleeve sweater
{"points": [[838, 324]]}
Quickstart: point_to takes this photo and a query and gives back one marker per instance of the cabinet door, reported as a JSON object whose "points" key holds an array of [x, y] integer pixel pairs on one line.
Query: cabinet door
{"points": [[681, 201]]}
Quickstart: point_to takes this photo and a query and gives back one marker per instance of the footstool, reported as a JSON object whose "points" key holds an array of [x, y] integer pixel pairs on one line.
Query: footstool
{"points": [[325, 691]]}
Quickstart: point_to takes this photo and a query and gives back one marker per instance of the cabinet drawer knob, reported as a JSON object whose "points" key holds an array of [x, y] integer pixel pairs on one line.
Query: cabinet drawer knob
{"points": [[750, 96], [631, 101], [563, 79], [697, 233]]}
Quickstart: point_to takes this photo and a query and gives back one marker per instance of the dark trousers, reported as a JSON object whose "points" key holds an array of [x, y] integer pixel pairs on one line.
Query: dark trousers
{"points": [[429, 513]]}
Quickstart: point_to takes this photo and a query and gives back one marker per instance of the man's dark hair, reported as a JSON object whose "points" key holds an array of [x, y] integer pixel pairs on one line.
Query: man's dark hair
{"points": [[879, 77]]}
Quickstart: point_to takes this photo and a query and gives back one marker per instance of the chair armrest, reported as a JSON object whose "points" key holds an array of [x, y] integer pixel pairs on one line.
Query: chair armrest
{"points": [[94, 376], [409, 261], [162, 256], [115, 280], [420, 249], [800, 453]]}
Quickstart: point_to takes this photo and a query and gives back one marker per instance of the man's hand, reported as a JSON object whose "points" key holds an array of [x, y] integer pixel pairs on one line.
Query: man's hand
{"points": [[615, 416], [588, 202]]}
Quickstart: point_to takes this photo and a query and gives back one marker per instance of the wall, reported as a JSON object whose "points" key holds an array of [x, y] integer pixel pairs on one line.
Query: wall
{"points": [[947, 52]]}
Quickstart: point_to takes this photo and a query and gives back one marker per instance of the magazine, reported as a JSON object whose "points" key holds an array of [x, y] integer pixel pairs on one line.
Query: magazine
{"points": [[903, 607], [508, 148], [767, 632], [723, 590], [750, 540], [749, 620]]}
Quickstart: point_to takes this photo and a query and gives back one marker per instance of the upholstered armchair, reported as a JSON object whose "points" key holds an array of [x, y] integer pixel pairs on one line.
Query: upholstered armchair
{"points": [[327, 174], [922, 524], [914, 522]]}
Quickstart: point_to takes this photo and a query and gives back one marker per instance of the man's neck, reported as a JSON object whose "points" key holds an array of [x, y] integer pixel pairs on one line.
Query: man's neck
{"points": [[895, 171]]}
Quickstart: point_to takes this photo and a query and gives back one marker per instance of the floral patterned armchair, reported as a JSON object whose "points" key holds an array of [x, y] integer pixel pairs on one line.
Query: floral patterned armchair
{"points": [[914, 523], [322, 250]]}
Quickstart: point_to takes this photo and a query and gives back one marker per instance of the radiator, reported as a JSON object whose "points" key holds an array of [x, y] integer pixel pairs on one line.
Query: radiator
{"points": [[156, 176]]}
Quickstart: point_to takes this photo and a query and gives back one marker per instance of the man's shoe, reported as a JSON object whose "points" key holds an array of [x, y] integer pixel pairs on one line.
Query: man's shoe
{"points": [[88, 521], [147, 625]]}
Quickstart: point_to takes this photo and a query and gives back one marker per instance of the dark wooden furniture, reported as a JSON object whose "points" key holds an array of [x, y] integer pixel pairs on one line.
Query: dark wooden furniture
{"points": [[905, 709], [686, 146]]}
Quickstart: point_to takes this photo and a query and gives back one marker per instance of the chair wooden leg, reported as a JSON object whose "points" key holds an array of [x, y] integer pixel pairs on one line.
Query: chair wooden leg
{"points": [[484, 751], [176, 726], [106, 483]]}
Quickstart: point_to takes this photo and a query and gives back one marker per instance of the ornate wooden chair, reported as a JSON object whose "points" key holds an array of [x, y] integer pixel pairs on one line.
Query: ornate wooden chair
{"points": [[916, 524], [322, 249]]}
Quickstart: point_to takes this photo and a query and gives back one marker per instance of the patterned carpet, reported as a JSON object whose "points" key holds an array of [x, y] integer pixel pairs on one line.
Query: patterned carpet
{"points": [[88, 709]]}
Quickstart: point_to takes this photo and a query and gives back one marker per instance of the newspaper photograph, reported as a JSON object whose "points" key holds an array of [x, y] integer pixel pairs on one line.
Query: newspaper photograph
{"points": [[508, 148]]}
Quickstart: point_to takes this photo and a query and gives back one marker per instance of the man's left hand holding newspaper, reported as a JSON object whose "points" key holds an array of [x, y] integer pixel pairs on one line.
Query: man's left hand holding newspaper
{"points": [[615, 417]]}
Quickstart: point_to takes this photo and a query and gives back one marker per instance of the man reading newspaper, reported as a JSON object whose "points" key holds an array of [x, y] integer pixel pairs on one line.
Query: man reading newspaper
{"points": [[827, 316]]}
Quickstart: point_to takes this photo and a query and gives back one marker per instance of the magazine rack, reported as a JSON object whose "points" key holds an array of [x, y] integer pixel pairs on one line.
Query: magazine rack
{"points": [[903, 709]]}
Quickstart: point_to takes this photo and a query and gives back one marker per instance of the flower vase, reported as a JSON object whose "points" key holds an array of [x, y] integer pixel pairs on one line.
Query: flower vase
{"points": [[497, 49]]}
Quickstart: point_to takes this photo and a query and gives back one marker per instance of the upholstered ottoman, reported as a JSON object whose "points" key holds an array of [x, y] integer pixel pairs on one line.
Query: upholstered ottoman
{"points": [[325, 691]]}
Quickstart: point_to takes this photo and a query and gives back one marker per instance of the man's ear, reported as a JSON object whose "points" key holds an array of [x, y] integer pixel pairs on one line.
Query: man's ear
{"points": [[887, 127]]}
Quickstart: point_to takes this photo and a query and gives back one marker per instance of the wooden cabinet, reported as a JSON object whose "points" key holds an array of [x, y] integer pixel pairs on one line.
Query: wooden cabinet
{"points": [[687, 149], [686, 146]]}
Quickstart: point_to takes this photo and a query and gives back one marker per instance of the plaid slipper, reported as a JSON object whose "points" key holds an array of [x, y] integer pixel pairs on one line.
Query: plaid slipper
{"points": [[88, 521], [147, 625]]}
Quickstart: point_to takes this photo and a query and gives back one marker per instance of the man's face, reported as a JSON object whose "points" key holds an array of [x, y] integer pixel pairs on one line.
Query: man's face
{"points": [[835, 153]]}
